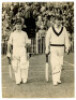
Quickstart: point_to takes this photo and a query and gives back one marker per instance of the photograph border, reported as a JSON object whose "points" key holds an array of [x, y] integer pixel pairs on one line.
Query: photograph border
{"points": [[74, 47]]}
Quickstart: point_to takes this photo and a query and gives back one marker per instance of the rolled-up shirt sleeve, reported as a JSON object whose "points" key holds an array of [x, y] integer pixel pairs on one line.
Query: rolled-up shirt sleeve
{"points": [[26, 38], [11, 39]]}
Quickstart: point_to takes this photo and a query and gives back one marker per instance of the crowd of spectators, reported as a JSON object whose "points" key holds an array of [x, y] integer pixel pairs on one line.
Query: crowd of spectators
{"points": [[35, 16]]}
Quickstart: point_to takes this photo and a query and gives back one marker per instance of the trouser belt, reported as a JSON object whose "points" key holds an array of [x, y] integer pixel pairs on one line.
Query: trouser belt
{"points": [[57, 44]]}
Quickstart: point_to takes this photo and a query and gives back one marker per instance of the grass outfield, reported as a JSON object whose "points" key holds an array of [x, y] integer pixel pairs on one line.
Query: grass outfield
{"points": [[37, 87]]}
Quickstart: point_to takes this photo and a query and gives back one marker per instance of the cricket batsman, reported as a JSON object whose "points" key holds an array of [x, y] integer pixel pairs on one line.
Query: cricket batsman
{"points": [[19, 40], [57, 39]]}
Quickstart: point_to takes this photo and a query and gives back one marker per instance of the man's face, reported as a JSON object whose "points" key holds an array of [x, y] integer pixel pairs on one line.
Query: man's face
{"points": [[52, 21], [57, 23], [18, 27]]}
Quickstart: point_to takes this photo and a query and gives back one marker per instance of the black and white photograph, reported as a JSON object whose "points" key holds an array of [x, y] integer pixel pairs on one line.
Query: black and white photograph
{"points": [[37, 50]]}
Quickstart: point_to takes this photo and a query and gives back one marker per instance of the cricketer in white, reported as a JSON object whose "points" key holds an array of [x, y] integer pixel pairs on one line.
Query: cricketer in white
{"points": [[19, 40], [57, 39]]}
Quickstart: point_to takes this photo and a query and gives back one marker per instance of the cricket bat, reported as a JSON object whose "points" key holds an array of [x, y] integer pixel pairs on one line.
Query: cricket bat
{"points": [[46, 69], [10, 67], [28, 55]]}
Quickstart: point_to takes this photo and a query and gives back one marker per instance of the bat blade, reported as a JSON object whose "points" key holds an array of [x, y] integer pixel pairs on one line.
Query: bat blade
{"points": [[46, 69], [10, 71], [46, 72]]}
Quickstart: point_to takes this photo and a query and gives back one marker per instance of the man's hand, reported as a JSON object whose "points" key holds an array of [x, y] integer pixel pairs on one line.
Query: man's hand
{"points": [[67, 51], [47, 51], [9, 57]]}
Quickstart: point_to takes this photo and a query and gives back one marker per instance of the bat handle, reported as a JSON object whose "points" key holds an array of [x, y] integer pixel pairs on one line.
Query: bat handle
{"points": [[46, 57], [9, 60]]}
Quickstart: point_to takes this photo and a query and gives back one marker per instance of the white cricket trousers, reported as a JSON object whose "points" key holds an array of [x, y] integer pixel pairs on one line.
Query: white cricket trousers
{"points": [[21, 75], [20, 65], [56, 60]]}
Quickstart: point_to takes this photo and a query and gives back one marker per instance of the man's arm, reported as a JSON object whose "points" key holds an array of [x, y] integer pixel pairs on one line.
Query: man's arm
{"points": [[28, 41], [47, 40], [9, 54], [28, 46], [67, 41], [9, 48]]}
